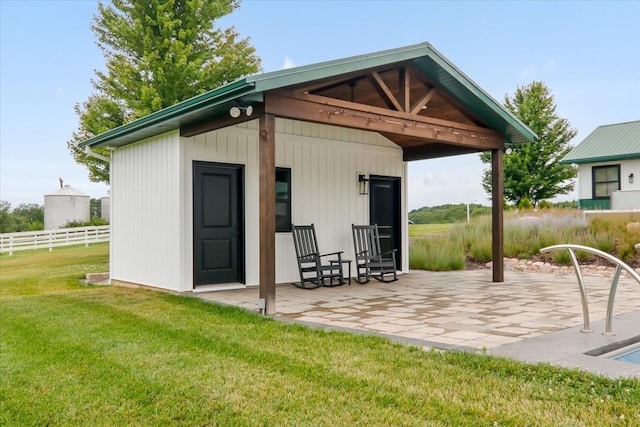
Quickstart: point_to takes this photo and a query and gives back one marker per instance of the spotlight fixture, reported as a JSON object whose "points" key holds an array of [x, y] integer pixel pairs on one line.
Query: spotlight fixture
{"points": [[508, 150], [236, 110]]}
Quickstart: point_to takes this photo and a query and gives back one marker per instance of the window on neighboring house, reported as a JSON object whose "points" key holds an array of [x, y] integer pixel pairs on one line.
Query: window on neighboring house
{"points": [[606, 180], [283, 200]]}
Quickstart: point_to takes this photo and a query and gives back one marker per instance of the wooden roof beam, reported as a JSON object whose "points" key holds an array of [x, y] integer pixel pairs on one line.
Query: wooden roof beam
{"points": [[385, 92], [318, 109], [424, 100], [452, 100], [404, 82], [433, 151]]}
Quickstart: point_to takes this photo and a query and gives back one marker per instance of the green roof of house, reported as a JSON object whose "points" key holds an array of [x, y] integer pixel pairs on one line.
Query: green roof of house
{"points": [[218, 101], [606, 143]]}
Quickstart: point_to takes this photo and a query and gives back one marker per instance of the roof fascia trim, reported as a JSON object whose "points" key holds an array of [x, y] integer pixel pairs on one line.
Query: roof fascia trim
{"points": [[483, 96], [293, 76], [191, 105], [600, 159]]}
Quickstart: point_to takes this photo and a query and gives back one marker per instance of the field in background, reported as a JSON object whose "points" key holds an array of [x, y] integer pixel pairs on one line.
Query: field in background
{"points": [[422, 230]]}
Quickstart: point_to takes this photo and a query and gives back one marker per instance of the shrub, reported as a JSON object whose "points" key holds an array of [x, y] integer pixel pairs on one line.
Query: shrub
{"points": [[518, 239], [436, 254], [94, 222], [606, 242], [525, 203], [562, 257]]}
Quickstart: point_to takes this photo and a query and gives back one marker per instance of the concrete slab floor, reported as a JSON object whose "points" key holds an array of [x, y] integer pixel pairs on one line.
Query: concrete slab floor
{"points": [[534, 317]]}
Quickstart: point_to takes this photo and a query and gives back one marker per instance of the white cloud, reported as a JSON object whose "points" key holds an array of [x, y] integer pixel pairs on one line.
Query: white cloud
{"points": [[288, 63], [449, 180]]}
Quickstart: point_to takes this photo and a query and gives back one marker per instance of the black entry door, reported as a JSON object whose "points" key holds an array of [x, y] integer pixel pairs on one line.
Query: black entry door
{"points": [[218, 227], [384, 210]]}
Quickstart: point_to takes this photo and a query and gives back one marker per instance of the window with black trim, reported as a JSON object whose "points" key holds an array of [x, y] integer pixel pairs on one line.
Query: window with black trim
{"points": [[606, 180], [283, 200]]}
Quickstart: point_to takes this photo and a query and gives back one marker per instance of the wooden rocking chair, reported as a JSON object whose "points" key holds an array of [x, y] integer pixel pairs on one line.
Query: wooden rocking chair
{"points": [[370, 261], [310, 265]]}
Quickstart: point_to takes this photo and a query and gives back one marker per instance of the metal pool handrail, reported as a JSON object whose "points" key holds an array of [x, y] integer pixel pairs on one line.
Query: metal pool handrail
{"points": [[583, 293]]}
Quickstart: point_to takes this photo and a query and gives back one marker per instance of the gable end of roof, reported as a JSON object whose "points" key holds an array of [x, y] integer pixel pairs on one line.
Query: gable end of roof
{"points": [[422, 55]]}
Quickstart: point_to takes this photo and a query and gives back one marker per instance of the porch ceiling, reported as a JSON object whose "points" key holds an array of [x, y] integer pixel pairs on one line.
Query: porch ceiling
{"points": [[397, 101]]}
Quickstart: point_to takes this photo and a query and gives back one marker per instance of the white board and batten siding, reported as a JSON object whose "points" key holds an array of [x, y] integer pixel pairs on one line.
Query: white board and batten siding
{"points": [[146, 215], [324, 160]]}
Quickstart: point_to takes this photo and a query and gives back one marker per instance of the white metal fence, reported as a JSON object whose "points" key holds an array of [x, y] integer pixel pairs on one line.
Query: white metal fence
{"points": [[11, 242]]}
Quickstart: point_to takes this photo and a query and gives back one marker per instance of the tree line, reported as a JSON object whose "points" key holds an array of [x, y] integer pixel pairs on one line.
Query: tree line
{"points": [[448, 214]]}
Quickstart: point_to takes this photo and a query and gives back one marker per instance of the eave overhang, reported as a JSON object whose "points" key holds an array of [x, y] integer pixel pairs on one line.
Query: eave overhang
{"points": [[213, 103]]}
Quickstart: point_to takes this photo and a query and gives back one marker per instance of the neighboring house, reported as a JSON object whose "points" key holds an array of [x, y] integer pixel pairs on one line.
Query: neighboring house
{"points": [[608, 167], [203, 193]]}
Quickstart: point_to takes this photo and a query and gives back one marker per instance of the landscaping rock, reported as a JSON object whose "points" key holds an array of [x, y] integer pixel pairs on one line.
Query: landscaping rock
{"points": [[512, 264]]}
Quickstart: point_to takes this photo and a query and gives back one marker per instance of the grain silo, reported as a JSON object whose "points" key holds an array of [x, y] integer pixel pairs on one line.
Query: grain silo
{"points": [[105, 208], [65, 205]]}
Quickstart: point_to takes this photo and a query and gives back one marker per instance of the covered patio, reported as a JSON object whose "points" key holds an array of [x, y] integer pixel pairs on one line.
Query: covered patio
{"points": [[208, 167]]}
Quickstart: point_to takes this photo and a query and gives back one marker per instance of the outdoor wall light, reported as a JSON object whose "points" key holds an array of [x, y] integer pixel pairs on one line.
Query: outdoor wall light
{"points": [[362, 182], [236, 110], [508, 150], [630, 178]]}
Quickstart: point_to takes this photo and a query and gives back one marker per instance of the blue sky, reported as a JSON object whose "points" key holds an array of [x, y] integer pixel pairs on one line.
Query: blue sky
{"points": [[586, 52]]}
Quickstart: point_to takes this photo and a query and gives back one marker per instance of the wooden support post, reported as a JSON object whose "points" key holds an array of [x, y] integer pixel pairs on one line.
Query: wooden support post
{"points": [[497, 215], [267, 185], [405, 89]]}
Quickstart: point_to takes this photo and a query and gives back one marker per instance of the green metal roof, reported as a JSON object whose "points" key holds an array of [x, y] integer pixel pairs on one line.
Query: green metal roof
{"points": [[218, 101], [609, 142]]}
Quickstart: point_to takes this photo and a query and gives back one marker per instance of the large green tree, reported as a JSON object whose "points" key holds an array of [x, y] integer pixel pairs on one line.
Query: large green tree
{"points": [[158, 53], [533, 171], [7, 221], [29, 217]]}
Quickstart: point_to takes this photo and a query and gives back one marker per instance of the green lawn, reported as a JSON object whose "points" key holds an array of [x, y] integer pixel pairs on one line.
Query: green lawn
{"points": [[83, 355]]}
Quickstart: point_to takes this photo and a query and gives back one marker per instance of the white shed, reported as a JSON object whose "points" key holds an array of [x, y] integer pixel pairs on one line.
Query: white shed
{"points": [[203, 192], [65, 205]]}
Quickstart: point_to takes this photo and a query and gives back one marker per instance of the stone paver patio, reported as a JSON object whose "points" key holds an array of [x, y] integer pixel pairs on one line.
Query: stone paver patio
{"points": [[462, 309]]}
